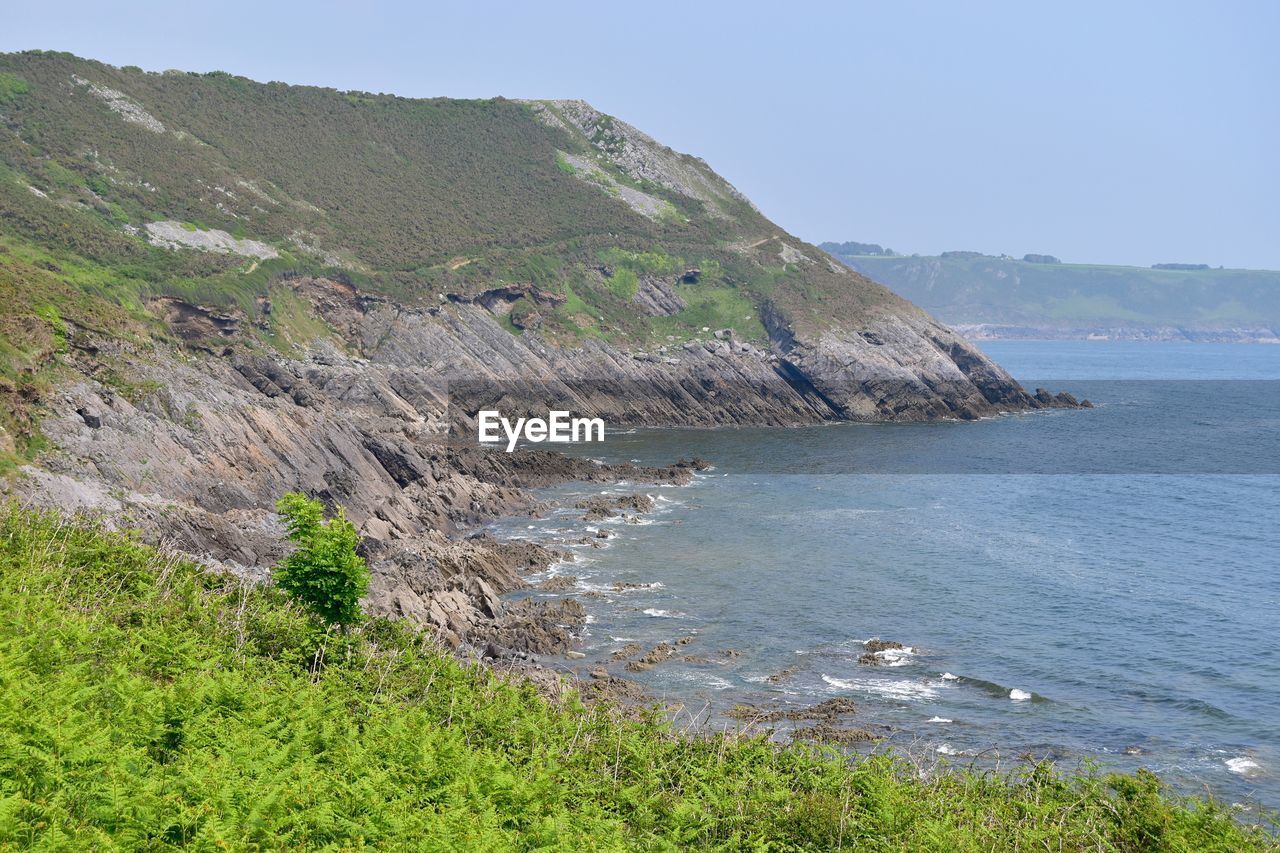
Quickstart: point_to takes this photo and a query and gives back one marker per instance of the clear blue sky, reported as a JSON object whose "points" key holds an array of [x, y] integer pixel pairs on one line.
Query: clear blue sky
{"points": [[1106, 132]]}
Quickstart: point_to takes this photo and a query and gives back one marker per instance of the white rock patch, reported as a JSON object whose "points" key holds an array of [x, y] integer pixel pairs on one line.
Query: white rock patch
{"points": [[173, 235], [641, 202], [792, 255], [129, 109]]}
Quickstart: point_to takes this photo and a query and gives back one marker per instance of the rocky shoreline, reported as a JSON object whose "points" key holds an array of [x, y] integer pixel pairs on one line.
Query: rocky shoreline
{"points": [[192, 438]]}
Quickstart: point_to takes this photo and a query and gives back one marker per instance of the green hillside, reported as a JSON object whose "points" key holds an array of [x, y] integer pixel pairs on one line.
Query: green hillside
{"points": [[971, 288], [211, 186], [148, 705]]}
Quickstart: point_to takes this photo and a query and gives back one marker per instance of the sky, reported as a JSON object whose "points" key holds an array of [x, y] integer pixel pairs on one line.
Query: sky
{"points": [[1117, 132]]}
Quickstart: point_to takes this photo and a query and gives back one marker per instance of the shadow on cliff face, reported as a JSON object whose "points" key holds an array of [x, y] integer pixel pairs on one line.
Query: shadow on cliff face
{"points": [[788, 397]]}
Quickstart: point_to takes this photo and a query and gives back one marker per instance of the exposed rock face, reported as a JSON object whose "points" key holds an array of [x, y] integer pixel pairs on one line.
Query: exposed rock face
{"points": [[199, 455], [174, 235], [899, 365], [657, 298], [199, 462], [640, 156]]}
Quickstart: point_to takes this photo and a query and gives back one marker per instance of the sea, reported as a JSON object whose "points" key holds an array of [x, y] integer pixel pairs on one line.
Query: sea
{"points": [[1098, 587]]}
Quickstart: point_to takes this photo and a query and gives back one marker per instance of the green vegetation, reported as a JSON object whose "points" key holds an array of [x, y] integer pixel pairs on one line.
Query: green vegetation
{"points": [[969, 287], [713, 308], [11, 86], [145, 703], [400, 183], [325, 574], [396, 190], [38, 310]]}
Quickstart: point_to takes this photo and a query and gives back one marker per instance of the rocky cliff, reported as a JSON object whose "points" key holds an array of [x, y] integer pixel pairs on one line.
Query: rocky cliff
{"points": [[216, 291]]}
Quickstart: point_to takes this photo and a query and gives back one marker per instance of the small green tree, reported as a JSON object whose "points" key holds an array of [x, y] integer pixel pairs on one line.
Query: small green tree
{"points": [[325, 573]]}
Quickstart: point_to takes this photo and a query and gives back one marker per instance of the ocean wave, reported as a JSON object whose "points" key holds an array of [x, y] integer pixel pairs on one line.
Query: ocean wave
{"points": [[999, 691], [660, 614], [939, 720], [946, 676], [887, 688], [1243, 765], [896, 657]]}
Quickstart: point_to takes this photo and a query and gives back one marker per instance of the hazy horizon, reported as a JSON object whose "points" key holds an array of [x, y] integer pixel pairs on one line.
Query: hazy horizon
{"points": [[1100, 134]]}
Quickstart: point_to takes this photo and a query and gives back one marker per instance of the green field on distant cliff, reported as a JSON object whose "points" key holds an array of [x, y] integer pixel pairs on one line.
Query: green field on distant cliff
{"points": [[968, 288]]}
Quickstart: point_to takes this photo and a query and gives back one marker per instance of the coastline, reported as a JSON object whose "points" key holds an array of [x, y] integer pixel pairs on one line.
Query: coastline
{"points": [[384, 738], [988, 692], [1154, 334]]}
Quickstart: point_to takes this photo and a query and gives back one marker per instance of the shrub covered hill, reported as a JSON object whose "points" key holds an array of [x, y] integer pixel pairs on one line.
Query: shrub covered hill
{"points": [[235, 210]]}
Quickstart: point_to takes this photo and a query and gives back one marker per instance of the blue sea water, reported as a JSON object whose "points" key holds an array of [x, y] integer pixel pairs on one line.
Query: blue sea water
{"points": [[1100, 584]]}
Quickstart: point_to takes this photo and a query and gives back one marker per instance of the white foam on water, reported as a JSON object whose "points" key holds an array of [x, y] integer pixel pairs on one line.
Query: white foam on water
{"points": [[661, 614], [623, 639], [1244, 765], [947, 749], [946, 676], [939, 720], [888, 688], [590, 619], [1019, 695], [896, 657]]}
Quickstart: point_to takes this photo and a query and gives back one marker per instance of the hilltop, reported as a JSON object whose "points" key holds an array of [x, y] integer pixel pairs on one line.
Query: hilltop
{"points": [[1039, 296]]}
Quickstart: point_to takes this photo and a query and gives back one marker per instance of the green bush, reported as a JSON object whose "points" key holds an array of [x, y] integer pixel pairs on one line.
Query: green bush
{"points": [[324, 574]]}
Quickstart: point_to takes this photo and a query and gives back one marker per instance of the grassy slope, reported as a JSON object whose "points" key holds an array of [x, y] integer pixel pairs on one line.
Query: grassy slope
{"points": [[405, 197], [998, 290], [145, 704], [410, 197]]}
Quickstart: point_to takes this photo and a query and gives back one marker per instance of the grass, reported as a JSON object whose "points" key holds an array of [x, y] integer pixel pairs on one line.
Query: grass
{"points": [[11, 86], [713, 308], [147, 704]]}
